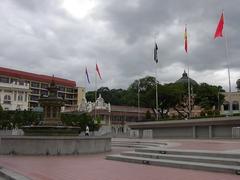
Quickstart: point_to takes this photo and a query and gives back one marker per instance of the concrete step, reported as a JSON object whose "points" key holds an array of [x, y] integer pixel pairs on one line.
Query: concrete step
{"points": [[128, 146], [177, 164], [202, 159], [137, 144], [190, 152]]}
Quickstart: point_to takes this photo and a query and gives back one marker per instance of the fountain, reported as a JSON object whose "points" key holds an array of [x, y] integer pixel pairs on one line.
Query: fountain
{"points": [[51, 137], [51, 125]]}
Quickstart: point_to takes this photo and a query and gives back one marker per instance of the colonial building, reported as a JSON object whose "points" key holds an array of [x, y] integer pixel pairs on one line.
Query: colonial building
{"points": [[38, 87], [14, 96], [233, 97], [116, 116]]}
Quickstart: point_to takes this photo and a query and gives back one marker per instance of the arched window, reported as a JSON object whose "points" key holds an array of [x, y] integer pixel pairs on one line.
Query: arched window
{"points": [[7, 99], [235, 105], [226, 106]]}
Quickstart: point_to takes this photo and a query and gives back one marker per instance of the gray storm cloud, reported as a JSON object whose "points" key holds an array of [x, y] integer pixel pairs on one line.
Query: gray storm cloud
{"points": [[43, 37]]}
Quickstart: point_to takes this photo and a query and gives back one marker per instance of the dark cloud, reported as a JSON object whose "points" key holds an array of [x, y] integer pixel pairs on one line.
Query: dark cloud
{"points": [[43, 37]]}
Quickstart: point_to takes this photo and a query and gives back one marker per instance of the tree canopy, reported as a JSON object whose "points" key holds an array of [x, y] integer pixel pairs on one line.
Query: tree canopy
{"points": [[171, 95]]}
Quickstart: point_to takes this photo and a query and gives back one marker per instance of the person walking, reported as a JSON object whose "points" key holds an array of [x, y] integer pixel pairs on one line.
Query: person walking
{"points": [[87, 131]]}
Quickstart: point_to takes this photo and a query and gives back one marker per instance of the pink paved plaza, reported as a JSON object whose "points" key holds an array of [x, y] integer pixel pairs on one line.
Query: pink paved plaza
{"points": [[95, 167]]}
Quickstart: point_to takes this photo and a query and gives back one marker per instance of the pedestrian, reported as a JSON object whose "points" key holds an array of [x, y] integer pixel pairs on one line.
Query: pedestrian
{"points": [[87, 131]]}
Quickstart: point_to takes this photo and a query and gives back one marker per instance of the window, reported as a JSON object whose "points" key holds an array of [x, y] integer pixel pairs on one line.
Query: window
{"points": [[20, 98], [235, 106], [35, 91], [15, 96], [14, 80], [226, 106], [34, 98], [44, 86], [26, 97], [21, 82], [61, 88], [44, 93], [68, 102], [61, 95], [7, 99], [70, 96], [4, 79], [70, 90], [34, 84]]}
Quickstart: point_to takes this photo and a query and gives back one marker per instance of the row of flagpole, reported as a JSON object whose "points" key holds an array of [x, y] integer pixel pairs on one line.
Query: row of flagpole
{"points": [[218, 34], [88, 79], [97, 71]]}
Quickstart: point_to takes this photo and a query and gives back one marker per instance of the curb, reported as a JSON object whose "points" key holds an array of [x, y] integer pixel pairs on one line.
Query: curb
{"points": [[10, 175]]}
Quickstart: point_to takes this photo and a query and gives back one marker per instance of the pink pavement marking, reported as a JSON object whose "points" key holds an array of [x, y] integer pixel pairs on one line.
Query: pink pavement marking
{"points": [[95, 167]]}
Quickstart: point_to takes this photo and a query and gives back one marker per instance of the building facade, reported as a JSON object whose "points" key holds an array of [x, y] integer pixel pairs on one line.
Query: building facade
{"points": [[233, 97], [14, 96], [38, 85], [115, 116]]}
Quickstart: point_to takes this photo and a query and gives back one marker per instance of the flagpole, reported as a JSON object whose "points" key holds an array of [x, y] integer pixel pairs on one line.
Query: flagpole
{"points": [[219, 33], [229, 77], [95, 113], [156, 93], [138, 101], [188, 74], [189, 94], [155, 57], [85, 80], [156, 60]]}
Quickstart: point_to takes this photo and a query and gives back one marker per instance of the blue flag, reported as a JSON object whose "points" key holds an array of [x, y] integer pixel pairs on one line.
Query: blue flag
{"points": [[87, 75]]}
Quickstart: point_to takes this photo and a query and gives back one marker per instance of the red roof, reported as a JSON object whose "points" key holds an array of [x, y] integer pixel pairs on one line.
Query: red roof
{"points": [[35, 77]]}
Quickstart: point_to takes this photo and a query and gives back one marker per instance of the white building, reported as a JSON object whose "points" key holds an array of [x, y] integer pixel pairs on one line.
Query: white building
{"points": [[233, 97], [14, 95]]}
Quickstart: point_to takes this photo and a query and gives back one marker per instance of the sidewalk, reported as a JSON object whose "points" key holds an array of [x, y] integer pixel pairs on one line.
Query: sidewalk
{"points": [[95, 167]]}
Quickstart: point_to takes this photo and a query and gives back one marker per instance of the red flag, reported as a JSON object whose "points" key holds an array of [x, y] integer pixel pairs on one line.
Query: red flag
{"points": [[97, 69], [185, 40], [219, 29]]}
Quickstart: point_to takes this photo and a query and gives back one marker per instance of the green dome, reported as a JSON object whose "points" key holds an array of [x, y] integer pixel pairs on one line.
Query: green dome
{"points": [[184, 79]]}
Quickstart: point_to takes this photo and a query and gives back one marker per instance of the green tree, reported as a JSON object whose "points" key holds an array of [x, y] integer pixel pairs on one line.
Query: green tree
{"points": [[208, 96], [105, 93], [17, 119], [170, 96], [90, 96], [79, 120], [146, 87]]}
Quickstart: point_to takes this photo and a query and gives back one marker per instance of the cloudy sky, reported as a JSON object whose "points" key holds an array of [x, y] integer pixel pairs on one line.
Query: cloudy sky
{"points": [[62, 37]]}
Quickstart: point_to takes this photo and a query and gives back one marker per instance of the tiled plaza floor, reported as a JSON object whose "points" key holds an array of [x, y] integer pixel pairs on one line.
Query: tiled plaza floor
{"points": [[95, 167]]}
